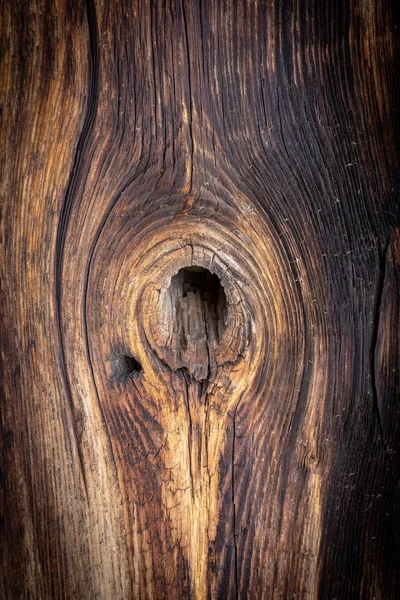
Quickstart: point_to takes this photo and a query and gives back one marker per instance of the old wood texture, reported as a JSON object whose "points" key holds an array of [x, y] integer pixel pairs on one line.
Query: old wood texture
{"points": [[200, 299]]}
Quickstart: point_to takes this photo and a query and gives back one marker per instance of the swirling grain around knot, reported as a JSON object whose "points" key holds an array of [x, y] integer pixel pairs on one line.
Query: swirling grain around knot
{"points": [[257, 371]]}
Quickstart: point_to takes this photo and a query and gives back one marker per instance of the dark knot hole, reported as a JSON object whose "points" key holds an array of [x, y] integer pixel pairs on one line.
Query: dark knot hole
{"points": [[200, 288], [125, 366]]}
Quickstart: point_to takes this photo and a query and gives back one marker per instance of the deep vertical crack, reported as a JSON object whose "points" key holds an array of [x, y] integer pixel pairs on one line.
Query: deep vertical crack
{"points": [[374, 337], [235, 563], [65, 212], [190, 93]]}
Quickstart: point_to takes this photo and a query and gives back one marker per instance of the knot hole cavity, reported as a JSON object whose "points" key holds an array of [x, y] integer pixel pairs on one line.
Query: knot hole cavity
{"points": [[198, 327], [196, 306], [122, 367], [195, 313]]}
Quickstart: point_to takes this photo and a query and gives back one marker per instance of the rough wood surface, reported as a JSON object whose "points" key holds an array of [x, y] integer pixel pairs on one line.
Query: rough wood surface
{"points": [[199, 300]]}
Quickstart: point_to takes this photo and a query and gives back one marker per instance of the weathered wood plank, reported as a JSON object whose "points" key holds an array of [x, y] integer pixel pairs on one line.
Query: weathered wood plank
{"points": [[200, 300]]}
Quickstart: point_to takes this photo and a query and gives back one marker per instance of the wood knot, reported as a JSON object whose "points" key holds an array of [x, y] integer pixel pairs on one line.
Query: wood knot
{"points": [[198, 321]]}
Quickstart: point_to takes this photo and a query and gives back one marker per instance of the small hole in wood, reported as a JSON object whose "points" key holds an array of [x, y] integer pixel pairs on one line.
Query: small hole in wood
{"points": [[125, 366], [193, 283]]}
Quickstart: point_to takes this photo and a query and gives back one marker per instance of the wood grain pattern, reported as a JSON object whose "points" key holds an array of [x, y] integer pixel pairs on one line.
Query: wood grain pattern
{"points": [[199, 300]]}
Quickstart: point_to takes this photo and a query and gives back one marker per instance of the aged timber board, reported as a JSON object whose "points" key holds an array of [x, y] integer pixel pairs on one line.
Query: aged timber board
{"points": [[199, 300]]}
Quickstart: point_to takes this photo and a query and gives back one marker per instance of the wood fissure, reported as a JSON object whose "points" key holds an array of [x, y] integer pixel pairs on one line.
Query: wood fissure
{"points": [[88, 122], [374, 337]]}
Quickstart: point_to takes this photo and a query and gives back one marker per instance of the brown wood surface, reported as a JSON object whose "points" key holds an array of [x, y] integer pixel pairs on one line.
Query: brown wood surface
{"points": [[199, 300]]}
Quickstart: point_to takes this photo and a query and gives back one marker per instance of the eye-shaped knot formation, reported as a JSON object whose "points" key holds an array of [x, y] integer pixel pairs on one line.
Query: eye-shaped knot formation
{"points": [[199, 318]]}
